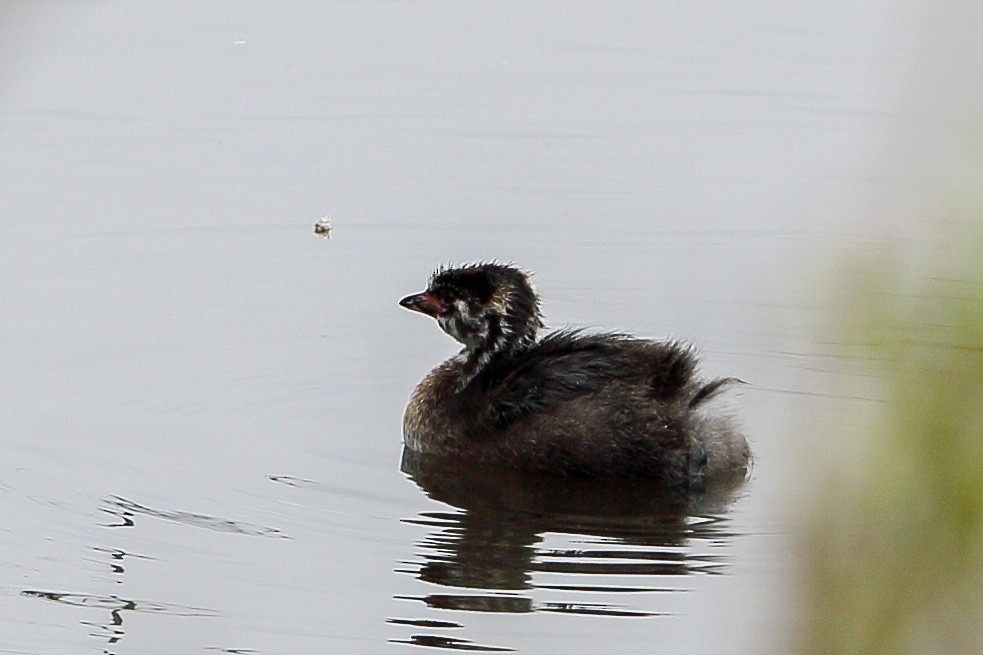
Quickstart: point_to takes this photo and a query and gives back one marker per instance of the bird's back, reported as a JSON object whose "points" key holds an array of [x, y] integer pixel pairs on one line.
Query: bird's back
{"points": [[598, 404]]}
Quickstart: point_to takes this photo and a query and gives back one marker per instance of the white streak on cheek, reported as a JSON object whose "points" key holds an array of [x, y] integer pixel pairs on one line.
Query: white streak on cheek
{"points": [[448, 325]]}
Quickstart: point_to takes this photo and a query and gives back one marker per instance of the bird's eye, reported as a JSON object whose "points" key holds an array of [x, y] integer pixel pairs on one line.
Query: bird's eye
{"points": [[444, 299], [445, 294]]}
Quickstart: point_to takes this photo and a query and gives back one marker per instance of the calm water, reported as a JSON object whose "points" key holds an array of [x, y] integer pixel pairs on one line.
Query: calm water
{"points": [[200, 400]]}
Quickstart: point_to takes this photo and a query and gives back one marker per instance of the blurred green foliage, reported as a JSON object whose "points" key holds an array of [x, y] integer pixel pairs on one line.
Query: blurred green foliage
{"points": [[894, 556]]}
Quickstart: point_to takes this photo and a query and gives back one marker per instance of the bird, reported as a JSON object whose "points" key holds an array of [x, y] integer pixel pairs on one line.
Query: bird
{"points": [[572, 402]]}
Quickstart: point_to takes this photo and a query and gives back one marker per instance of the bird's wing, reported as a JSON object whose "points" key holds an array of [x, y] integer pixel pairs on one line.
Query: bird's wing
{"points": [[568, 364]]}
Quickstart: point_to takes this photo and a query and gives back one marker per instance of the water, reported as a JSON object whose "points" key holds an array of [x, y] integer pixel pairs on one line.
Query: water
{"points": [[202, 399]]}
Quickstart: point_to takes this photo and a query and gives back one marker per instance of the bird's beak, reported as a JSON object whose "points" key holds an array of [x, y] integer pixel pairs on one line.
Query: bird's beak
{"points": [[425, 303]]}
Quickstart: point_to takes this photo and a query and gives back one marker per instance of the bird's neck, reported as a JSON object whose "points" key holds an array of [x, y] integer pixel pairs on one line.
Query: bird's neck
{"points": [[499, 341]]}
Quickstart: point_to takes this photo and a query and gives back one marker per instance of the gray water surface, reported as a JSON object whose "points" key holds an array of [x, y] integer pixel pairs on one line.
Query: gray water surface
{"points": [[201, 399]]}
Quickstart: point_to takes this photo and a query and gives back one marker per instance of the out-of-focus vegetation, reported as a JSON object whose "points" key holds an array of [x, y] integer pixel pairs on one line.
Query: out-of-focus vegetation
{"points": [[894, 557]]}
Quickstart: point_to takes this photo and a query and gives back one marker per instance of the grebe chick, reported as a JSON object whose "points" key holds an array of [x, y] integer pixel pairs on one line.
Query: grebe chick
{"points": [[572, 402]]}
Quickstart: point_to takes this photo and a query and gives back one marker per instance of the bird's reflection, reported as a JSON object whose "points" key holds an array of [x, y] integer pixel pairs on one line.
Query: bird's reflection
{"points": [[494, 554]]}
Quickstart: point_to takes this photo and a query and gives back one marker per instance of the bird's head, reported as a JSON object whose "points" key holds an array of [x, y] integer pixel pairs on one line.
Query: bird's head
{"points": [[487, 307]]}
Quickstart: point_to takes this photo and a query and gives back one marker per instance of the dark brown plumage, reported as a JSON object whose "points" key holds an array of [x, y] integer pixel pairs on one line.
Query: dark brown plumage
{"points": [[573, 403]]}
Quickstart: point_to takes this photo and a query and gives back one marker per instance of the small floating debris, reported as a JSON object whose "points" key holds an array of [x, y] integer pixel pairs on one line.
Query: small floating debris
{"points": [[322, 227]]}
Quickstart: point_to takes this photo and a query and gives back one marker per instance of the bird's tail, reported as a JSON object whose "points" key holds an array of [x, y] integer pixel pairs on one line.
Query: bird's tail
{"points": [[711, 389]]}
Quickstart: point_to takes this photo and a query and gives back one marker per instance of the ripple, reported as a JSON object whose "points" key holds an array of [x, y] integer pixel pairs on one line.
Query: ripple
{"points": [[124, 509], [436, 641], [476, 602], [425, 623], [338, 490], [595, 609], [116, 603]]}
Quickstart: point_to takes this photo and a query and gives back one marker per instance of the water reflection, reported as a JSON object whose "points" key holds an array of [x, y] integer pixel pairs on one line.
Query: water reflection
{"points": [[116, 557], [111, 630], [590, 546], [124, 509]]}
